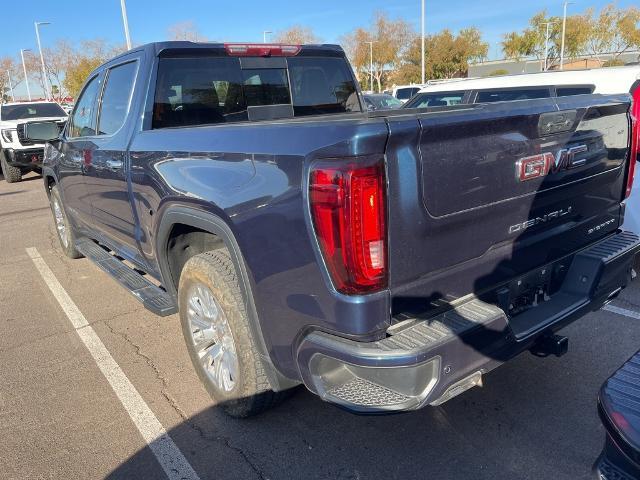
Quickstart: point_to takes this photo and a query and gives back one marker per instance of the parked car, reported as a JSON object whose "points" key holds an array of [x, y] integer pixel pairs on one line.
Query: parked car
{"points": [[529, 86], [381, 101], [17, 154], [619, 409], [405, 92], [386, 260]]}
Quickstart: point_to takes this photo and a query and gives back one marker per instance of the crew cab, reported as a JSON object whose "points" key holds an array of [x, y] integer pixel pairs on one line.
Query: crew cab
{"points": [[17, 154], [385, 260]]}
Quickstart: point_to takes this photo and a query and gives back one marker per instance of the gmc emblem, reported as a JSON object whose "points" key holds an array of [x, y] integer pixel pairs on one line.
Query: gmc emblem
{"points": [[541, 165]]}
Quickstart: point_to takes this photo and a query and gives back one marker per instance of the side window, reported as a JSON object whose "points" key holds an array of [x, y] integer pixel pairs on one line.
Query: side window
{"points": [[83, 121], [116, 98], [445, 99], [512, 94], [571, 91]]}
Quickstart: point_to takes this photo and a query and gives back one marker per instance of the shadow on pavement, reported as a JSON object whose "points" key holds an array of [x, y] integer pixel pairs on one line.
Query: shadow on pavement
{"points": [[535, 418]]}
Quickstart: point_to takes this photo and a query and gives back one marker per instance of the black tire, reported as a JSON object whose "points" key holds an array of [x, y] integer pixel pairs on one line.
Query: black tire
{"points": [[251, 393], [11, 174], [68, 244]]}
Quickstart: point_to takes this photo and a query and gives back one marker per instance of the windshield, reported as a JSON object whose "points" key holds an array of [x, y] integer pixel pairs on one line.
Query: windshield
{"points": [[31, 110], [385, 101]]}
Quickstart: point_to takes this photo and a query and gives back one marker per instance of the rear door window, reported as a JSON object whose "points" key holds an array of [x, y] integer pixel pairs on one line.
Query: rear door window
{"points": [[512, 94], [116, 98]]}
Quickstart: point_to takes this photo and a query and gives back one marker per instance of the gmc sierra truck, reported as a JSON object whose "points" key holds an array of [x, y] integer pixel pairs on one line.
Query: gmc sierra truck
{"points": [[385, 260], [17, 154]]}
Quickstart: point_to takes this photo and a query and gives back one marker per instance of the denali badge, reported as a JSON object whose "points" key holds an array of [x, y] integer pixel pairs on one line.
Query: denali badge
{"points": [[520, 227], [542, 164]]}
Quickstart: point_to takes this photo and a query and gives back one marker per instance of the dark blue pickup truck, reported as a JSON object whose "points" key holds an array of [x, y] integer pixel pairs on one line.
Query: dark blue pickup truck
{"points": [[385, 260]]}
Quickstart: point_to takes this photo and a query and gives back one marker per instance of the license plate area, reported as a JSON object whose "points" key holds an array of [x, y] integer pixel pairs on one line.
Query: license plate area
{"points": [[532, 289]]}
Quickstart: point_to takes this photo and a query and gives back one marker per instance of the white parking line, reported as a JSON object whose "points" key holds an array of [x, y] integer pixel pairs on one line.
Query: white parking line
{"points": [[622, 311], [168, 454]]}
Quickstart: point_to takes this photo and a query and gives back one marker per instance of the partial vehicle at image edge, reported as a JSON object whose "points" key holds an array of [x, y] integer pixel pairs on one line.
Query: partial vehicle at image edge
{"points": [[17, 154], [385, 260]]}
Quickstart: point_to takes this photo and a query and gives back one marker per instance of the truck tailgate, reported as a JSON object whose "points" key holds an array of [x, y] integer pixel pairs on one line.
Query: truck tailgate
{"points": [[469, 208]]}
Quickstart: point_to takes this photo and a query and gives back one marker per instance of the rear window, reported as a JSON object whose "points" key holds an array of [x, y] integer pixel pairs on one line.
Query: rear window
{"points": [[406, 93], [444, 99], [570, 91], [510, 95], [31, 110], [204, 91]]}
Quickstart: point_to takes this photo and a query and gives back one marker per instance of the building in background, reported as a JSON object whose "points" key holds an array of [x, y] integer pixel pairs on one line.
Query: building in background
{"points": [[511, 67]]}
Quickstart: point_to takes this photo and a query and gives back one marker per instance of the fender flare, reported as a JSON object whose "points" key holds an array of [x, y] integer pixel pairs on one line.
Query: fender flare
{"points": [[209, 222]]}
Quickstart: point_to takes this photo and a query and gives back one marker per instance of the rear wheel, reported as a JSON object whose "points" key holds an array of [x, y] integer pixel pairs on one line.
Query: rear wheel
{"points": [[216, 330], [11, 174], [65, 232]]}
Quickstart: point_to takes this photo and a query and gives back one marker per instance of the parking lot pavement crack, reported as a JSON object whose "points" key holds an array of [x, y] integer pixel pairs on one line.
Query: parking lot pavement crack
{"points": [[181, 413]]}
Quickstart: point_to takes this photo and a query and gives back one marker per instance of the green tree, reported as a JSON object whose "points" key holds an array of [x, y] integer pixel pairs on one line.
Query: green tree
{"points": [[613, 31], [447, 56], [391, 39], [81, 62], [530, 42]]}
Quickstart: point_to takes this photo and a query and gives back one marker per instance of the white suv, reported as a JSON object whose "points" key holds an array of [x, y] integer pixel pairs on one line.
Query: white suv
{"points": [[17, 155]]}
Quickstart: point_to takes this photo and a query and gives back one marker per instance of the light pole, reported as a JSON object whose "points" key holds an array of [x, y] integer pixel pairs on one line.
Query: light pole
{"points": [[45, 81], [564, 30], [264, 35], [371, 64], [125, 22], [13, 98], [422, 47], [546, 45], [24, 68]]}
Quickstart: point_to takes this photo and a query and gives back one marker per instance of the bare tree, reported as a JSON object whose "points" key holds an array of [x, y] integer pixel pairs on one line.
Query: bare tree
{"points": [[8, 67], [187, 30], [297, 35]]}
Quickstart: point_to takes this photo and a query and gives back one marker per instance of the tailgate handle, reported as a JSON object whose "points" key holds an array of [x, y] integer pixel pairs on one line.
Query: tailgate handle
{"points": [[556, 122]]}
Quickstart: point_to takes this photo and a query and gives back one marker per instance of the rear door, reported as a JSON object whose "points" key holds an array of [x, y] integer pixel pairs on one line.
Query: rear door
{"points": [[481, 213], [105, 175]]}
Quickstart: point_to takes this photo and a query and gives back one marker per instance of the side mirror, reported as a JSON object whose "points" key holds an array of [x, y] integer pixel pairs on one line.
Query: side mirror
{"points": [[40, 132]]}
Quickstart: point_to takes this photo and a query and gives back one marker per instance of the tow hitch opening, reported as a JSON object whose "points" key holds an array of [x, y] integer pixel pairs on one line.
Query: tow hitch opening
{"points": [[550, 345]]}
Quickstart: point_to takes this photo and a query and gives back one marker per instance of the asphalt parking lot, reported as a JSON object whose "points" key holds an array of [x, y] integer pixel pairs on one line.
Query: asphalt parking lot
{"points": [[59, 417]]}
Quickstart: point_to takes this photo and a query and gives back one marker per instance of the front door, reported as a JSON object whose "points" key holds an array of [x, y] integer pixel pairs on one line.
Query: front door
{"points": [[76, 151]]}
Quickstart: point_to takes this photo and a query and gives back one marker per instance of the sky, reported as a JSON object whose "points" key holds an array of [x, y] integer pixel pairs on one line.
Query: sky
{"points": [[245, 20]]}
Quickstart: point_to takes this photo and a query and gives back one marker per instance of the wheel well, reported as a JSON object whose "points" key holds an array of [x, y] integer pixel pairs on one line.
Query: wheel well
{"points": [[184, 242]]}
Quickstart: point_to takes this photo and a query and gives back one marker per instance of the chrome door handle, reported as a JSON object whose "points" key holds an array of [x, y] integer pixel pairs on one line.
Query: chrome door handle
{"points": [[114, 165]]}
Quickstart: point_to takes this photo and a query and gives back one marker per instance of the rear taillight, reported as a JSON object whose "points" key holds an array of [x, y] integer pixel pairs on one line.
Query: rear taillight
{"points": [[348, 207], [635, 139], [261, 50]]}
